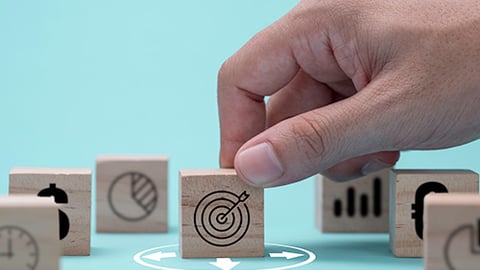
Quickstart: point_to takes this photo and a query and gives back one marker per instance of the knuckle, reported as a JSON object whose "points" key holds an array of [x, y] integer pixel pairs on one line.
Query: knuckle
{"points": [[224, 70], [227, 71], [311, 136]]}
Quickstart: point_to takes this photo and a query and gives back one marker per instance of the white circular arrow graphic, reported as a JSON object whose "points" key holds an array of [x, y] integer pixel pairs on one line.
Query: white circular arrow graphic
{"points": [[281, 257], [225, 263], [158, 256], [287, 255]]}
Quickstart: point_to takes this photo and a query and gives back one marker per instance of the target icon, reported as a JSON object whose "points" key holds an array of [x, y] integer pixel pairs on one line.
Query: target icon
{"points": [[222, 218]]}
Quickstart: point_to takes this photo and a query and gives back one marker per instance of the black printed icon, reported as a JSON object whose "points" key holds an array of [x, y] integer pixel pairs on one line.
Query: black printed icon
{"points": [[18, 249], [132, 196], [222, 218], [456, 242], [417, 207], [364, 207], [60, 197]]}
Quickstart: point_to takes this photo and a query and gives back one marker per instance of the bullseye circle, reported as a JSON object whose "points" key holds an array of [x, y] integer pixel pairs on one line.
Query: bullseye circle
{"points": [[215, 219], [220, 220]]}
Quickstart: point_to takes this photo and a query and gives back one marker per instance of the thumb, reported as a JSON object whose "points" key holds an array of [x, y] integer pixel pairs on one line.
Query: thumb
{"points": [[317, 140]]}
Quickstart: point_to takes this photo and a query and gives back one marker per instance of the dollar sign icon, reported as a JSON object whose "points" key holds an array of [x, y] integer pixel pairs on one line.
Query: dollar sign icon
{"points": [[59, 196]]}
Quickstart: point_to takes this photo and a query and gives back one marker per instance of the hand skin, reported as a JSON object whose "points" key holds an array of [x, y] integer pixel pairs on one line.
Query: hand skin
{"points": [[351, 83]]}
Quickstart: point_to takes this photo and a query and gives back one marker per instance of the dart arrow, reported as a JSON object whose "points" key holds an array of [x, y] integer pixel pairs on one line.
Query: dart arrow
{"points": [[160, 255], [242, 198], [286, 255], [225, 263]]}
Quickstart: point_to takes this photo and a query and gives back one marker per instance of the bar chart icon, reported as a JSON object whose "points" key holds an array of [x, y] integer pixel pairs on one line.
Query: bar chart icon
{"points": [[360, 205], [364, 202]]}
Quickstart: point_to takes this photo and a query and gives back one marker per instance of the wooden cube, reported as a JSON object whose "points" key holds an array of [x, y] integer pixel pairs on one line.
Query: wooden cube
{"points": [[220, 215], [71, 189], [132, 194], [29, 233], [452, 231], [407, 191], [357, 206]]}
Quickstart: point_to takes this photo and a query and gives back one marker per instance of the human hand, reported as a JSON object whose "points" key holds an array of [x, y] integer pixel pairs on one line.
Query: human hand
{"points": [[351, 83]]}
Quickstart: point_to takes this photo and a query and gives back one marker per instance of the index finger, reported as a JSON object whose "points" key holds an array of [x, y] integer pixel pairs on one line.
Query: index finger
{"points": [[260, 68]]}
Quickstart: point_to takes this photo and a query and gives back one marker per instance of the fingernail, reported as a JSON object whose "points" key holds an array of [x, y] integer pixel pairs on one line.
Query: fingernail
{"points": [[374, 165], [259, 165]]}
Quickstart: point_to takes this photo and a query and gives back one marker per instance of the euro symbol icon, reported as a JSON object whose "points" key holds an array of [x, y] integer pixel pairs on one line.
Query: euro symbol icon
{"points": [[417, 207]]}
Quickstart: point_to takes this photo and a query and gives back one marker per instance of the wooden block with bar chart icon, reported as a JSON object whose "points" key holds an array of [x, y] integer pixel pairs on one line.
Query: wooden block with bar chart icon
{"points": [[408, 189], [452, 231], [29, 233], [220, 215], [356, 206], [71, 190], [132, 193]]}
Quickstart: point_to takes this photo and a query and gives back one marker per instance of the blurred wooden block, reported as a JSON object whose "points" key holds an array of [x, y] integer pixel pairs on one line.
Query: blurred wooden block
{"points": [[357, 206], [407, 191], [220, 215], [72, 191], [29, 233], [452, 231], [132, 194]]}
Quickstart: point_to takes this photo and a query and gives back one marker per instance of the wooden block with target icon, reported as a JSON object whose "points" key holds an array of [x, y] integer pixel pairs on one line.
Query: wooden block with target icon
{"points": [[220, 215], [132, 193]]}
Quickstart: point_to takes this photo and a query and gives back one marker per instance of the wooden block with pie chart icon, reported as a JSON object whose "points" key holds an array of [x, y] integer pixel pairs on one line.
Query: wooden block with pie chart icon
{"points": [[408, 189], [132, 193], [452, 231], [29, 233], [72, 191], [220, 215]]}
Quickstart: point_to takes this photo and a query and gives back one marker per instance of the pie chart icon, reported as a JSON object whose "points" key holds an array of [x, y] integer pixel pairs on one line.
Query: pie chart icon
{"points": [[132, 196]]}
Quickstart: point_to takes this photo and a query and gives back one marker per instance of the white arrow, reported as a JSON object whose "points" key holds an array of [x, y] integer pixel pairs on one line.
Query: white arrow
{"points": [[286, 255], [160, 255], [225, 263]]}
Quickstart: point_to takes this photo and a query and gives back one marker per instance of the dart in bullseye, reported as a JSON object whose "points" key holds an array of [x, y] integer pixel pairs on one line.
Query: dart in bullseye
{"points": [[222, 218]]}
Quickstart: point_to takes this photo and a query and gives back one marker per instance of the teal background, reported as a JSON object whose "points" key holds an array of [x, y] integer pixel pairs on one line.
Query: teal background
{"points": [[82, 78]]}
